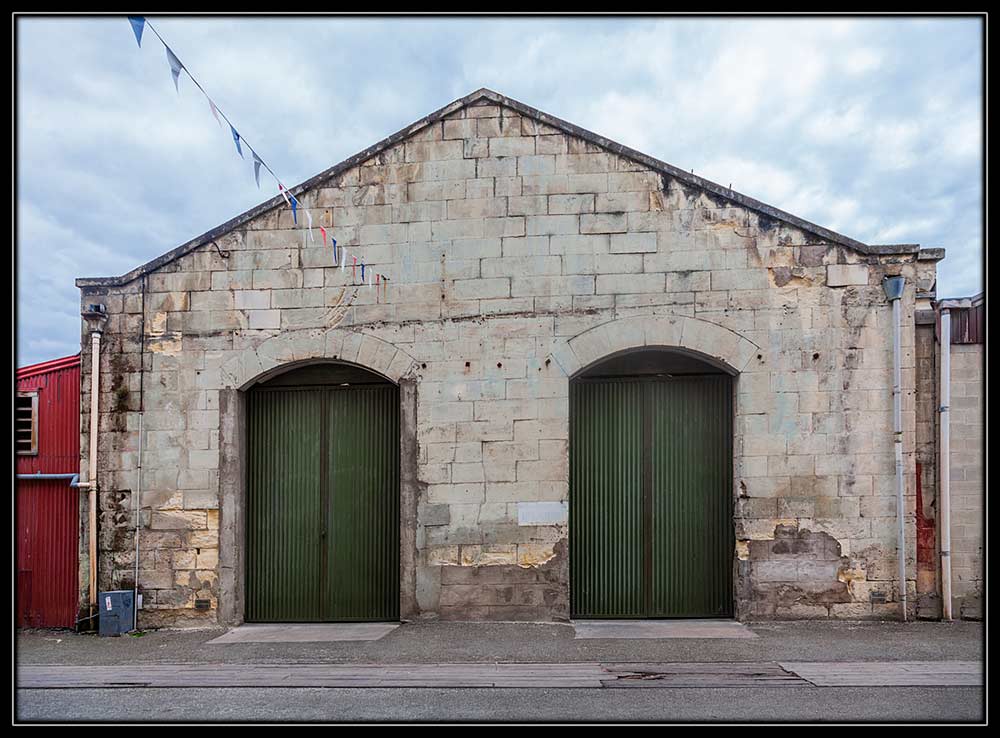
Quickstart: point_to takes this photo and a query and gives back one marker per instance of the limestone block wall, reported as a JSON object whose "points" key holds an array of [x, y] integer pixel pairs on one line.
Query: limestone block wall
{"points": [[518, 253], [967, 481]]}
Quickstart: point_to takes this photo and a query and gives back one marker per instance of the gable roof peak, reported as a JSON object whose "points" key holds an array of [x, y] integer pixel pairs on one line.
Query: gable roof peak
{"points": [[526, 110]]}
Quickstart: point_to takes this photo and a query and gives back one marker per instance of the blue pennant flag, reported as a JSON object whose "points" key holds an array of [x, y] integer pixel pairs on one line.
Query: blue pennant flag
{"points": [[175, 66], [256, 166], [236, 138], [334, 240], [362, 272], [295, 205], [137, 22]]}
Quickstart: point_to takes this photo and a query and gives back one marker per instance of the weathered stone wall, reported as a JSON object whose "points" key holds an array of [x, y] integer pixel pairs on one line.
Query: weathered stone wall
{"points": [[967, 481], [928, 603], [517, 254]]}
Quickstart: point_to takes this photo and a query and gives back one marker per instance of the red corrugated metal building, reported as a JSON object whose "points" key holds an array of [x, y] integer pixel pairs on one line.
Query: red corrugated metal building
{"points": [[47, 441]]}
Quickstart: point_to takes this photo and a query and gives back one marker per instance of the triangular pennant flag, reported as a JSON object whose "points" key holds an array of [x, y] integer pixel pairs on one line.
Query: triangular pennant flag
{"points": [[362, 271], [137, 22], [236, 138], [354, 270], [281, 189], [256, 168], [334, 250], [215, 111], [175, 66], [322, 231], [309, 219], [295, 205], [343, 259]]}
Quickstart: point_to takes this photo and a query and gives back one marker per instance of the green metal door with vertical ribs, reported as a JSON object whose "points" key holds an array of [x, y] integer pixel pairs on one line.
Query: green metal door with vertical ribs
{"points": [[651, 526], [322, 503]]}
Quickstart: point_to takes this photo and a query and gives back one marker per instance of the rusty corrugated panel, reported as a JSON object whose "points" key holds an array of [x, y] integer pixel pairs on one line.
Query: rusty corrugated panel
{"points": [[323, 504], [650, 497], [47, 511], [968, 324]]}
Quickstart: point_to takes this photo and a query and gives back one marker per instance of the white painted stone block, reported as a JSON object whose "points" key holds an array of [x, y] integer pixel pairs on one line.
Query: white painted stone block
{"points": [[846, 275], [542, 513]]}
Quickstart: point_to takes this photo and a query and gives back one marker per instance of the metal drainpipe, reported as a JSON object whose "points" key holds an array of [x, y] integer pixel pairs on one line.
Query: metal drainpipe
{"points": [[138, 471], [893, 287], [74, 479], [944, 462], [96, 317], [95, 388], [138, 523]]}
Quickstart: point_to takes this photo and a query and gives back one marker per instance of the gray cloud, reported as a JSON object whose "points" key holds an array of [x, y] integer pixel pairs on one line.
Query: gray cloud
{"points": [[870, 127]]}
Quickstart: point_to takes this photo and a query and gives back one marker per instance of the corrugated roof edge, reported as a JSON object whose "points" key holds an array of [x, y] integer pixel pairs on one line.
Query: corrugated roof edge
{"points": [[961, 303], [47, 366], [551, 120]]}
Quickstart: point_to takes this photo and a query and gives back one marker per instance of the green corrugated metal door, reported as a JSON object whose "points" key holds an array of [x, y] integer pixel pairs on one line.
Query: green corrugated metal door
{"points": [[323, 504], [650, 497]]}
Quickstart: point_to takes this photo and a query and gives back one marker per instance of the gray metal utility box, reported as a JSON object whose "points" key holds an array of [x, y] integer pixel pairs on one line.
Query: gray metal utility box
{"points": [[117, 611]]}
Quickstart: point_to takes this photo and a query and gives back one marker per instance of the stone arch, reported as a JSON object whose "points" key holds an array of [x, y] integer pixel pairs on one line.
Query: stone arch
{"points": [[272, 356], [703, 338], [299, 348]]}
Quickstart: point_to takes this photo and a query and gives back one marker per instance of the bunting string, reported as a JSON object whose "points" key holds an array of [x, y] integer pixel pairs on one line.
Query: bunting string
{"points": [[378, 281]]}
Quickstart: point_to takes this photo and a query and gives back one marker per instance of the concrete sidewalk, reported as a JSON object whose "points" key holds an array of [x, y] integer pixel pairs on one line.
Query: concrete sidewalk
{"points": [[469, 643], [580, 675]]}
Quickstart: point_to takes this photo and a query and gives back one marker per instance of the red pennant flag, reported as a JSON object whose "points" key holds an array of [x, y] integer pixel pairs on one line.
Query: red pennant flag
{"points": [[323, 231]]}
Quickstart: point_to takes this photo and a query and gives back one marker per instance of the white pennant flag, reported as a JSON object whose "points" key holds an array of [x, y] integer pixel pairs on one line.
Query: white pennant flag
{"points": [[343, 258], [215, 111], [309, 218]]}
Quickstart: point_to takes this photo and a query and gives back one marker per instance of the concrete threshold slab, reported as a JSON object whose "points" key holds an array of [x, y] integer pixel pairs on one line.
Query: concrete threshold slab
{"points": [[304, 632], [627, 629]]}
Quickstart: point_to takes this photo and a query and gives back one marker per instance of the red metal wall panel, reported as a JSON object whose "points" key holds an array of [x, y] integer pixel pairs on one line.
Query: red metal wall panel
{"points": [[47, 511]]}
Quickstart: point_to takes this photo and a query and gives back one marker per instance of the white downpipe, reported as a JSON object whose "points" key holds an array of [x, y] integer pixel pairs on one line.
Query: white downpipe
{"points": [[894, 292], [944, 462], [897, 421], [138, 524], [95, 388]]}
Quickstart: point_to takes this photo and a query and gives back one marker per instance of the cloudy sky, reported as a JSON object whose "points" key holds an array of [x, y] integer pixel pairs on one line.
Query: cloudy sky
{"points": [[870, 127]]}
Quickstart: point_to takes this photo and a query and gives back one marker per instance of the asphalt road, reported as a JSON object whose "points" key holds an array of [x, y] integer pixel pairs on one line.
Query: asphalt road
{"points": [[446, 705], [483, 643]]}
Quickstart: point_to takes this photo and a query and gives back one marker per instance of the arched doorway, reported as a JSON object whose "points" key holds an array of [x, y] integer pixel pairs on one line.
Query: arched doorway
{"points": [[651, 514], [322, 496]]}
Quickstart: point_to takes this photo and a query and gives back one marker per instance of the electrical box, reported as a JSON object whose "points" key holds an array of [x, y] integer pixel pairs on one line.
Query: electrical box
{"points": [[117, 610]]}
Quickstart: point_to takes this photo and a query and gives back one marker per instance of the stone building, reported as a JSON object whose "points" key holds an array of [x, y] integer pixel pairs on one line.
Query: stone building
{"points": [[590, 384], [965, 376]]}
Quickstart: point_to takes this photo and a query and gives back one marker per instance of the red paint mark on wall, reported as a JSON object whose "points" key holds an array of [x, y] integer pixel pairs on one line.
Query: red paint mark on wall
{"points": [[926, 541]]}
